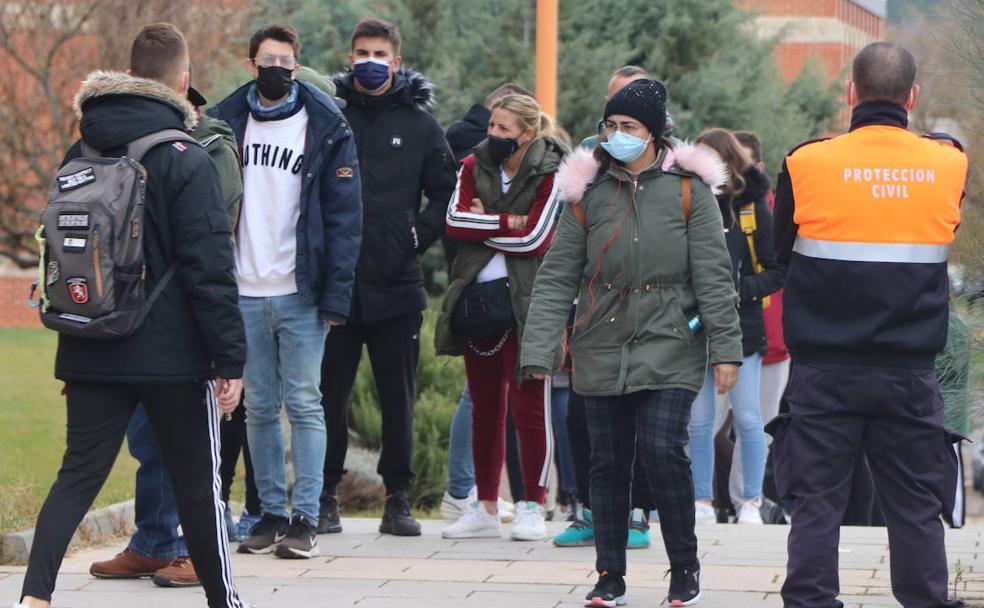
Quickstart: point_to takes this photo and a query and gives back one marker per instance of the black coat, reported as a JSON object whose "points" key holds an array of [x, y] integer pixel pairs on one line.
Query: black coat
{"points": [[195, 323], [402, 154], [752, 286]]}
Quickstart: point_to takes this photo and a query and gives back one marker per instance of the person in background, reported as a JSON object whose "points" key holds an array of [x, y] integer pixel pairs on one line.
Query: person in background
{"points": [[639, 355], [869, 216], [184, 362], [463, 136], [620, 77], [503, 213], [403, 155], [775, 361], [748, 232], [296, 244]]}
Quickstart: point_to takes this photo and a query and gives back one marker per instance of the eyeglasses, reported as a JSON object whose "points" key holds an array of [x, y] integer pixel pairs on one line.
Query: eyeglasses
{"points": [[627, 127], [269, 60]]}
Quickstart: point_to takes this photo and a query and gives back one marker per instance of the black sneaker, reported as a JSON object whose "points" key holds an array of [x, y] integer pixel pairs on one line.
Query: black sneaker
{"points": [[301, 541], [608, 592], [269, 531], [329, 522], [397, 519], [684, 586]]}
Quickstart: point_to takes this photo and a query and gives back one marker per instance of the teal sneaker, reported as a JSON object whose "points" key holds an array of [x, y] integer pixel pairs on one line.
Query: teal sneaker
{"points": [[638, 530], [579, 533]]}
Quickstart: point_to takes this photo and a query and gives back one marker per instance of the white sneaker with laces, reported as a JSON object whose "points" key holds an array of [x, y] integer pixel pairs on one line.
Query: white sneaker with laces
{"points": [[705, 513], [529, 524], [452, 508], [507, 511], [750, 512], [475, 523]]}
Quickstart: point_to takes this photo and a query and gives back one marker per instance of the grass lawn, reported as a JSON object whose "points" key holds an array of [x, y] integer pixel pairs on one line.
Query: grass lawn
{"points": [[32, 437]]}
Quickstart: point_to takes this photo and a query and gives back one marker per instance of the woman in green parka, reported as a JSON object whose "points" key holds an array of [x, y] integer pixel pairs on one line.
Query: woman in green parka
{"points": [[642, 249], [503, 214]]}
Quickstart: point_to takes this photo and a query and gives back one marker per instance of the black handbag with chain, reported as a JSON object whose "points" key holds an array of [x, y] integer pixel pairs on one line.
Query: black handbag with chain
{"points": [[483, 310]]}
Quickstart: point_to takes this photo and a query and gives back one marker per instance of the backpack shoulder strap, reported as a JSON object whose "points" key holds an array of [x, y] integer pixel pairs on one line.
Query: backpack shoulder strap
{"points": [[138, 147], [746, 218], [578, 212], [685, 196]]}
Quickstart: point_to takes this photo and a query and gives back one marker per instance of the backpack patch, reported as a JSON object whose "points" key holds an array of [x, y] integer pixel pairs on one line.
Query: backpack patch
{"points": [[78, 288], [76, 180], [92, 276]]}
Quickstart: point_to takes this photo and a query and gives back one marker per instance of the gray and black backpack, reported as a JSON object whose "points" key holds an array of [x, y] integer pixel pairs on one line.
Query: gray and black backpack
{"points": [[92, 270]]}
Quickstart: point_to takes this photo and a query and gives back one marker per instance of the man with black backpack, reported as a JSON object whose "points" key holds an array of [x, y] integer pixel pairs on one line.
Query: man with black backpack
{"points": [[141, 289]]}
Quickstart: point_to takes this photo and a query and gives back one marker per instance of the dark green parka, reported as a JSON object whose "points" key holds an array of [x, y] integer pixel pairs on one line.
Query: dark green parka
{"points": [[639, 271]]}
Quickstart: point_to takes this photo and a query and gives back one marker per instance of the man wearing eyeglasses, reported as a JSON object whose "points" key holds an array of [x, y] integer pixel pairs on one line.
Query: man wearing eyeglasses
{"points": [[297, 242]]}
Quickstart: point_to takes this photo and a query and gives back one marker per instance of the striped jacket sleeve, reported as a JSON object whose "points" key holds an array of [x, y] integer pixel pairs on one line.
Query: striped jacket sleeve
{"points": [[461, 223], [534, 238]]}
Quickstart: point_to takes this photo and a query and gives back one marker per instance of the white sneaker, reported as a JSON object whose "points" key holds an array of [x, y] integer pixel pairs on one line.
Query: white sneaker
{"points": [[452, 508], [475, 523], [705, 513], [750, 512], [530, 524], [507, 511]]}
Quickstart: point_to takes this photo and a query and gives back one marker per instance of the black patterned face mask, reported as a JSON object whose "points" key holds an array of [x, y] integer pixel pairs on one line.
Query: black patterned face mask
{"points": [[501, 148]]}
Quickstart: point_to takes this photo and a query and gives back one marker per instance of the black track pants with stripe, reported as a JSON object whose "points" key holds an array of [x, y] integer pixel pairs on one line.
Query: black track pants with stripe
{"points": [[185, 420]]}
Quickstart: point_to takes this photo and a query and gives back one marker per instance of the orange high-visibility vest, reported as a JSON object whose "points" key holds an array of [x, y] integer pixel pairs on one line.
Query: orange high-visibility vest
{"points": [[854, 202]]}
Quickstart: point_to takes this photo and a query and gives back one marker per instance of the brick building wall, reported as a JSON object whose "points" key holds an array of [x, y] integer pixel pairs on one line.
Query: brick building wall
{"points": [[830, 31], [14, 289]]}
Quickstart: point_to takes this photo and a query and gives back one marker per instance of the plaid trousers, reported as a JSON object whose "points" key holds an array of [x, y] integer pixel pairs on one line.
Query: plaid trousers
{"points": [[650, 425]]}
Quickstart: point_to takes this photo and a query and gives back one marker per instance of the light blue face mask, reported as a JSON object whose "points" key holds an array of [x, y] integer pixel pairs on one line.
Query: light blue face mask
{"points": [[625, 148]]}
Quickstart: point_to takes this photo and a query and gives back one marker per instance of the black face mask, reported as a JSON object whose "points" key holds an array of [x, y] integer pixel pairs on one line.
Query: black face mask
{"points": [[273, 82], [501, 148]]}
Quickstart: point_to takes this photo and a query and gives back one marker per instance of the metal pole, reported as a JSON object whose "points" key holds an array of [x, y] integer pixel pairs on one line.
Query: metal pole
{"points": [[546, 54]]}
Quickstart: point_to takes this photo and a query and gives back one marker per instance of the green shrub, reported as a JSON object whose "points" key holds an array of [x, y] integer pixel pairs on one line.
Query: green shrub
{"points": [[439, 384]]}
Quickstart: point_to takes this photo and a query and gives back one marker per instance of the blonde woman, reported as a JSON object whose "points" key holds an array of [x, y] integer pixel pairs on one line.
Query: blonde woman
{"points": [[503, 214]]}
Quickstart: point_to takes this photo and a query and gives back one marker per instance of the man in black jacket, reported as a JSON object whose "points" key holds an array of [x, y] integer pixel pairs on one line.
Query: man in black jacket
{"points": [[192, 334], [402, 152]]}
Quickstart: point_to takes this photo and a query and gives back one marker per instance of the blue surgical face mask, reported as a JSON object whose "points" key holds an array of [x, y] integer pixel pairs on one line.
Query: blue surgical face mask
{"points": [[371, 73], [625, 148]]}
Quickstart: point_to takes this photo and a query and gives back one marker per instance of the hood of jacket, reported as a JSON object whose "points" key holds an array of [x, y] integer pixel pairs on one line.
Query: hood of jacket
{"points": [[756, 187], [115, 108], [580, 168], [320, 107], [410, 89], [543, 157], [209, 126]]}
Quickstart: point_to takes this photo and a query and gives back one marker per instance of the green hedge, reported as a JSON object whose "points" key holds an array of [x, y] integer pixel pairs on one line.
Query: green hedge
{"points": [[439, 384]]}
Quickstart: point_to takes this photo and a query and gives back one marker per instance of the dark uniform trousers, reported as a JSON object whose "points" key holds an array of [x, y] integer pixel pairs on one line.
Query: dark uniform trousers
{"points": [[394, 348], [895, 416]]}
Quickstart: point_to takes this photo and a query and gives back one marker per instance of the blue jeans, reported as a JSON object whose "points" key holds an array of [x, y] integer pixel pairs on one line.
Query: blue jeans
{"points": [[285, 340], [558, 418], [745, 398], [156, 513], [461, 466]]}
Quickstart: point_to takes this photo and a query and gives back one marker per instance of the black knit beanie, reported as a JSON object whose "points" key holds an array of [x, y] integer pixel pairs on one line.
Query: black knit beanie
{"points": [[644, 100]]}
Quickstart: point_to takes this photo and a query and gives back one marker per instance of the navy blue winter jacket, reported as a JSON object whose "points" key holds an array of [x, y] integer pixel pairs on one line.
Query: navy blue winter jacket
{"points": [[329, 228]]}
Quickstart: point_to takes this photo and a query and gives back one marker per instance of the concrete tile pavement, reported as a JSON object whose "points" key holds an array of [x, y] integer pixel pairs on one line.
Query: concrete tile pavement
{"points": [[744, 567]]}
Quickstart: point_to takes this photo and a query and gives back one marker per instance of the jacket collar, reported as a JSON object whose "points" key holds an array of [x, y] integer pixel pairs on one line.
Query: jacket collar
{"points": [[879, 113], [409, 89], [102, 83]]}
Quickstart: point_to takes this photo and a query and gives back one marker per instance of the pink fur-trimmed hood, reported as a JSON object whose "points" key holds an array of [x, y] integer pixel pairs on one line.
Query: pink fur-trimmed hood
{"points": [[579, 168], [575, 174], [698, 159]]}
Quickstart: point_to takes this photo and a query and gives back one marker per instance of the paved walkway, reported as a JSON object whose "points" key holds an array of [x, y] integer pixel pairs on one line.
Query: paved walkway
{"points": [[743, 568]]}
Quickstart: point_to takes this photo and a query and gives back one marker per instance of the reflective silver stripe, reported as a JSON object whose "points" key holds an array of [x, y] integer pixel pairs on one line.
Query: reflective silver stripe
{"points": [[871, 252]]}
